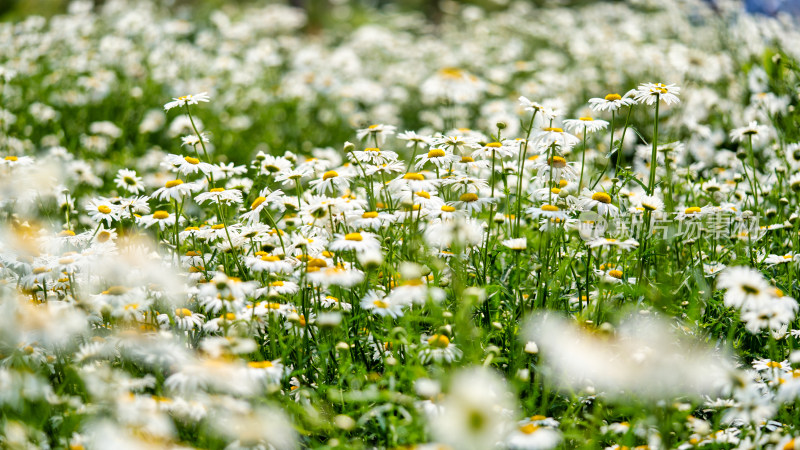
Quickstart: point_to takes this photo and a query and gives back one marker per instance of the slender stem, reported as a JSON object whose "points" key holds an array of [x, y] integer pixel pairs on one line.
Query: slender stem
{"points": [[200, 138], [521, 165], [583, 161], [753, 180], [413, 155], [611, 142], [654, 155]]}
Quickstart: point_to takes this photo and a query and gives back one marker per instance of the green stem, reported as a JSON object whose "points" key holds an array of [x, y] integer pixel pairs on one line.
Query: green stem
{"points": [[654, 155]]}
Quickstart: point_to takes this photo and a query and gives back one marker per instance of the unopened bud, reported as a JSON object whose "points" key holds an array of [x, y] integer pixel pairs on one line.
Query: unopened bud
{"points": [[531, 348]]}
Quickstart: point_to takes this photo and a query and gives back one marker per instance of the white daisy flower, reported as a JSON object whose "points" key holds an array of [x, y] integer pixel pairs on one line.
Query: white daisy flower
{"points": [[188, 99], [649, 93], [611, 102]]}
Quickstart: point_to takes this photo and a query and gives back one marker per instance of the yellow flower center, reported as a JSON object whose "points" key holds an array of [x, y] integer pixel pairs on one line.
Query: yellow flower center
{"points": [[191, 160], [372, 149], [660, 88], [553, 129], [468, 197], [380, 304], [353, 237], [451, 72], [692, 210], [613, 97], [270, 258], [104, 209], [160, 215], [467, 159], [586, 119], [528, 429], [11, 158], [260, 364], [555, 191], [413, 176], [558, 162], [423, 194], [773, 364], [494, 145], [436, 153], [257, 202], [277, 283], [173, 183], [183, 312], [317, 262], [551, 208], [601, 197], [370, 215], [116, 290], [439, 341], [218, 226], [615, 273], [448, 208], [217, 190], [329, 174]]}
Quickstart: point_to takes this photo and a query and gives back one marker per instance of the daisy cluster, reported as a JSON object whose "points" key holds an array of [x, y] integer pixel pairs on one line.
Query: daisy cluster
{"points": [[491, 232]]}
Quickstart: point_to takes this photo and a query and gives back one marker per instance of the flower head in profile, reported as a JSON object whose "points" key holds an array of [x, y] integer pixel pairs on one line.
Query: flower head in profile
{"points": [[649, 93], [626, 244], [548, 136], [413, 138], [585, 125], [377, 131], [439, 349], [356, 241], [753, 129], [611, 102], [176, 190], [529, 105], [547, 113], [439, 157], [518, 244], [597, 201], [331, 181], [187, 100]]}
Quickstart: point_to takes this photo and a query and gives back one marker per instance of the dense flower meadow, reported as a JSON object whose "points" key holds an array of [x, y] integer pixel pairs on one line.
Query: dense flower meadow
{"points": [[518, 227]]}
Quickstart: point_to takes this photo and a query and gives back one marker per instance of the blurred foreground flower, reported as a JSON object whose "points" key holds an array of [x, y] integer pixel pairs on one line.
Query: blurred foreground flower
{"points": [[477, 412], [643, 357]]}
